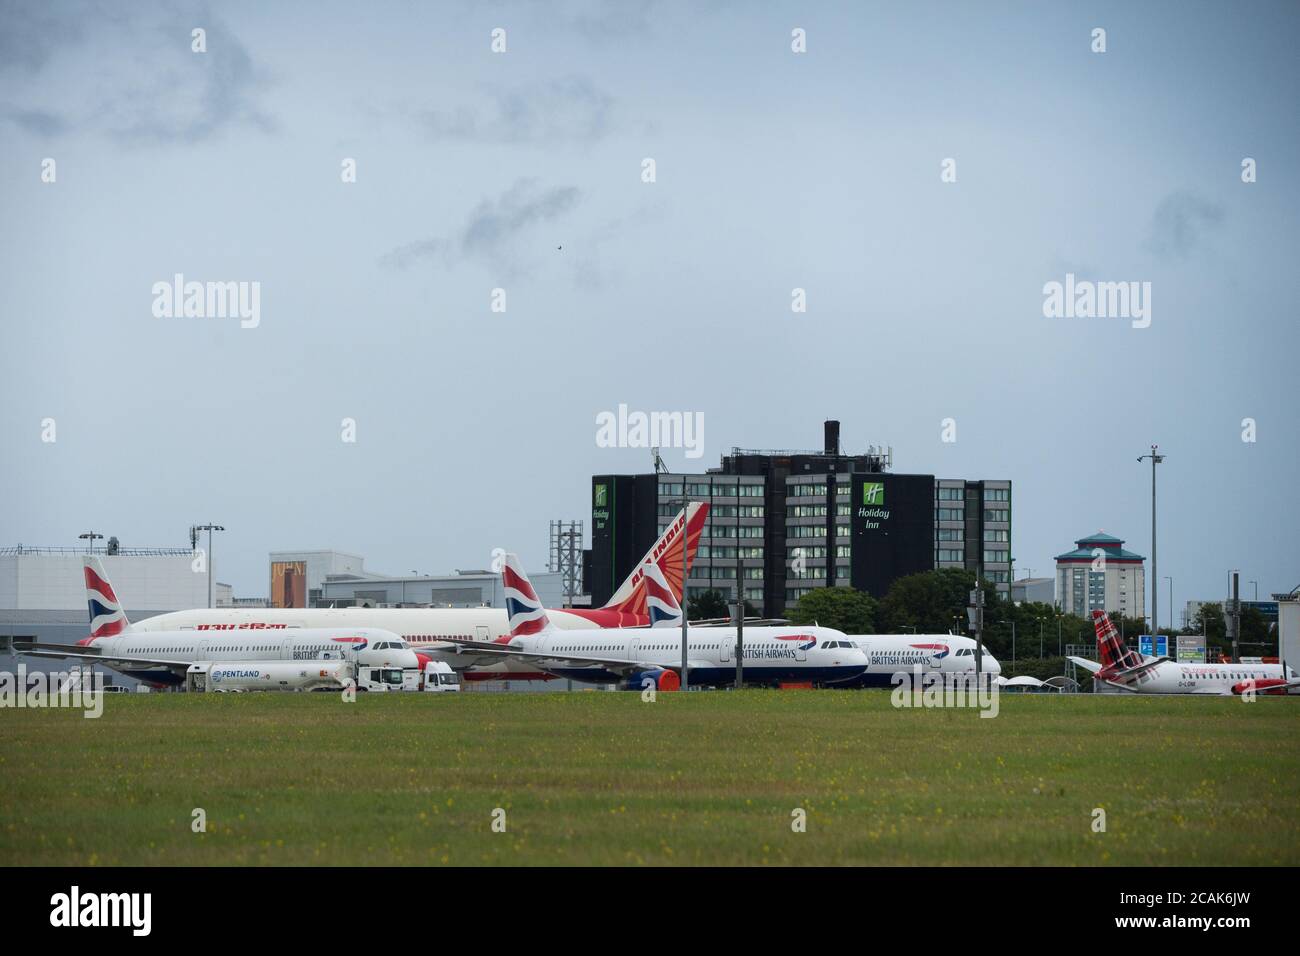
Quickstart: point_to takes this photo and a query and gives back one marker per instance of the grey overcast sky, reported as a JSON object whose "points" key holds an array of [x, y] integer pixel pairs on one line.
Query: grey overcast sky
{"points": [[775, 170]]}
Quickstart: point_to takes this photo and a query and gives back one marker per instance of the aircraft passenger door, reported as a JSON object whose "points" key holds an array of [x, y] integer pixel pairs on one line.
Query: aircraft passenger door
{"points": [[725, 647], [482, 634], [801, 648], [634, 650]]}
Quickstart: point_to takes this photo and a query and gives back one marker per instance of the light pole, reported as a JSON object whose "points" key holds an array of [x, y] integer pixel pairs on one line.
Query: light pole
{"points": [[92, 538], [686, 676], [1156, 458], [209, 528], [1171, 602]]}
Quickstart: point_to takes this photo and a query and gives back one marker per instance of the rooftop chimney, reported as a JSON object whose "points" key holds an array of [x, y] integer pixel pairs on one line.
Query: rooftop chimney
{"points": [[832, 430]]}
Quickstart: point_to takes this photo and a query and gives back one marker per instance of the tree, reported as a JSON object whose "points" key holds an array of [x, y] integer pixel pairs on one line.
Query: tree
{"points": [[932, 602], [845, 609], [1256, 637], [709, 605]]}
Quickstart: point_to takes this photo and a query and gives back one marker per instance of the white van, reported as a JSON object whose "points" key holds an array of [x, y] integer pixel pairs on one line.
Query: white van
{"points": [[438, 677]]}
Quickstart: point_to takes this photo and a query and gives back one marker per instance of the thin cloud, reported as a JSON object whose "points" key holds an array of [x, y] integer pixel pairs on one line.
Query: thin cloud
{"points": [[491, 232], [150, 87], [567, 109], [1181, 221]]}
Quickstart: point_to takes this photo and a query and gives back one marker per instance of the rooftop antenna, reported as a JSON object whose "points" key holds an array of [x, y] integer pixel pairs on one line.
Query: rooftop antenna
{"points": [[660, 467]]}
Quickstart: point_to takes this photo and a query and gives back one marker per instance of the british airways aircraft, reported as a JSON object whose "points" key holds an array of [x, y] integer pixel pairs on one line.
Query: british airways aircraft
{"points": [[946, 654], [636, 658], [162, 658], [1127, 669], [435, 633]]}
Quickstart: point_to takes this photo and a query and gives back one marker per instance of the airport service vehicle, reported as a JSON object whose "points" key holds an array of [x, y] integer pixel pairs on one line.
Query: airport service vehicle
{"points": [[439, 678], [1125, 668], [433, 632], [239, 676], [165, 657], [637, 658], [890, 654]]}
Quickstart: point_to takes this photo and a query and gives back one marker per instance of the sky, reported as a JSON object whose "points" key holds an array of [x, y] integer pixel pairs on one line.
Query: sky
{"points": [[524, 171]]}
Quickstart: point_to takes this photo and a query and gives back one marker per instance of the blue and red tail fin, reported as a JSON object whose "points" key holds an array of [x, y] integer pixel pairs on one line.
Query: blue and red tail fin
{"points": [[1113, 653], [661, 603], [107, 618], [527, 616]]}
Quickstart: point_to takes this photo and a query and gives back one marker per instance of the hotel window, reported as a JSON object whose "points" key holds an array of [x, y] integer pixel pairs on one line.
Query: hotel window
{"points": [[997, 494], [948, 494], [750, 491], [806, 511], [949, 514], [808, 551], [805, 490]]}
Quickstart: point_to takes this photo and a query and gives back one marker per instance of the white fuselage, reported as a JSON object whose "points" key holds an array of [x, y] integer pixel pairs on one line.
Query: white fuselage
{"points": [[423, 628], [771, 654], [890, 654], [1172, 677], [370, 646]]}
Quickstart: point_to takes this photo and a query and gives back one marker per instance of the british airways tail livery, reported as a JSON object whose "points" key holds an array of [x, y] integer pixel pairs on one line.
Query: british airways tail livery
{"points": [[527, 616], [661, 603], [1125, 668], [107, 618]]}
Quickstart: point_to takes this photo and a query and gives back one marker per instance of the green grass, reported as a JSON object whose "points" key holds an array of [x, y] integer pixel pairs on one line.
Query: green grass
{"points": [[592, 778]]}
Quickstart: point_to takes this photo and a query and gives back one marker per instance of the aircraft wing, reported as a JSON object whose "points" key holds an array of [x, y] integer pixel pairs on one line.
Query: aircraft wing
{"points": [[77, 653], [1142, 668], [1090, 666], [619, 665]]}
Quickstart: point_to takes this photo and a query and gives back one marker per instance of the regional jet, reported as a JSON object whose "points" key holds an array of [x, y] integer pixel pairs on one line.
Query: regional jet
{"points": [[1127, 669]]}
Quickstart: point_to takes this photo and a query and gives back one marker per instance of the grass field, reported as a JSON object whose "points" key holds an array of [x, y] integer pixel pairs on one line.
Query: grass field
{"points": [[593, 778]]}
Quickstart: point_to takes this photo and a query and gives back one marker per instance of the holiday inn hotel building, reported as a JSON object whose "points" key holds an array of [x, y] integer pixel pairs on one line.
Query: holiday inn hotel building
{"points": [[782, 523]]}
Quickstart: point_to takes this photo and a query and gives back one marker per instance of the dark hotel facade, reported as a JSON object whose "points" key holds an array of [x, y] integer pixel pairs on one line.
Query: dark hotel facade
{"points": [[785, 522]]}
